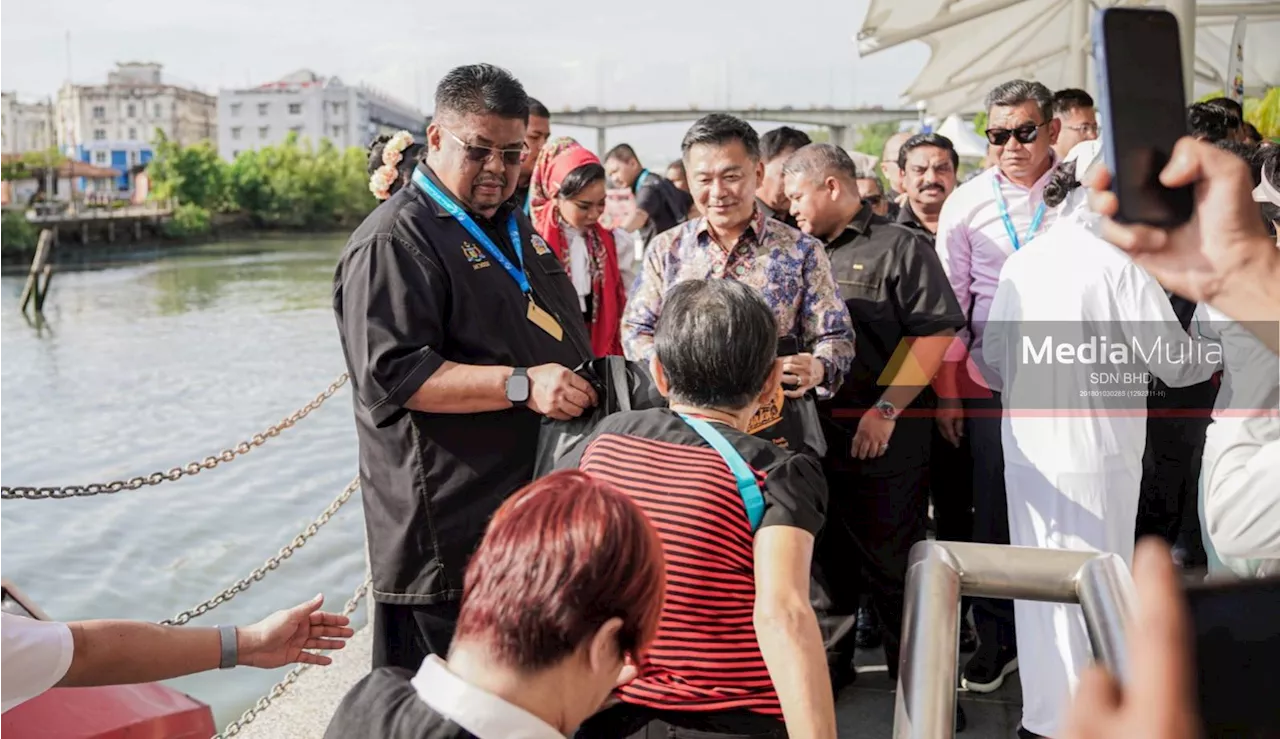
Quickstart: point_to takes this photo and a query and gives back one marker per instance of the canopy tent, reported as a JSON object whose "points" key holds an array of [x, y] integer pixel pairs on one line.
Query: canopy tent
{"points": [[969, 145], [976, 44]]}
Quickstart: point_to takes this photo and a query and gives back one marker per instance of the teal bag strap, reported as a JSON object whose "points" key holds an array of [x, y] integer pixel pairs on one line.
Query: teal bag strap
{"points": [[748, 488]]}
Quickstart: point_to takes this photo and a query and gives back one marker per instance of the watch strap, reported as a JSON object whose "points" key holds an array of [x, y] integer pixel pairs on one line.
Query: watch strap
{"points": [[230, 649]]}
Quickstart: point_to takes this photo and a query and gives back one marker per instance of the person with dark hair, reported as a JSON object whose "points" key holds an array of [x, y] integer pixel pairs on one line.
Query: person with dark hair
{"points": [[734, 240], [1214, 121], [459, 328], [568, 197], [928, 162], [873, 195], [392, 160], [775, 147], [676, 176], [660, 205], [984, 221], [535, 136], [738, 648], [561, 603], [894, 287], [1074, 110], [890, 169], [1251, 134]]}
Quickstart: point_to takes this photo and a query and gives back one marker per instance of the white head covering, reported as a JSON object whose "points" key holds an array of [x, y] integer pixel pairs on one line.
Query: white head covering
{"points": [[1076, 206]]}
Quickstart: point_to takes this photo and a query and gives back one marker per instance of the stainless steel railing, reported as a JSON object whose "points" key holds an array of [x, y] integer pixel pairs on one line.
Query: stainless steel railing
{"points": [[940, 572]]}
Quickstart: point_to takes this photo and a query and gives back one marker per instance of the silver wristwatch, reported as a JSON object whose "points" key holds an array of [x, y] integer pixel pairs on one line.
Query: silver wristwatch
{"points": [[887, 410]]}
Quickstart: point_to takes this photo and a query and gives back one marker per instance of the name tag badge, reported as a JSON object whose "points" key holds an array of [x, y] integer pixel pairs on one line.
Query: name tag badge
{"points": [[545, 321]]}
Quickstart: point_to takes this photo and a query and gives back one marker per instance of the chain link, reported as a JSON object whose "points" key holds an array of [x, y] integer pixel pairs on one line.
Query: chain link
{"points": [[271, 564], [177, 473], [283, 686]]}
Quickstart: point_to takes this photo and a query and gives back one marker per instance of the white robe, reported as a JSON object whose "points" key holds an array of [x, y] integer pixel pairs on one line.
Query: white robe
{"points": [[1073, 477]]}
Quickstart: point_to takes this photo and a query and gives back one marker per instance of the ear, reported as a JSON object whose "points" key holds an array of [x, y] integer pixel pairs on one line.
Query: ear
{"points": [[833, 187], [603, 653], [1055, 128], [771, 383], [659, 376], [433, 137], [759, 171]]}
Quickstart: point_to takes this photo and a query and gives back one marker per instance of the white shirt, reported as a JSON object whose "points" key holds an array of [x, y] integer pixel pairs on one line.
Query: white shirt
{"points": [[479, 712], [34, 656], [580, 260]]}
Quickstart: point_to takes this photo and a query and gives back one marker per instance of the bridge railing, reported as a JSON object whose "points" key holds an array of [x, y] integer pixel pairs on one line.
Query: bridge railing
{"points": [[941, 572]]}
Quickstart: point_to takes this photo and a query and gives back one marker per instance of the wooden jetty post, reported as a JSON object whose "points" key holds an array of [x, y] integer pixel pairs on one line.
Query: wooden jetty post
{"points": [[41, 273]]}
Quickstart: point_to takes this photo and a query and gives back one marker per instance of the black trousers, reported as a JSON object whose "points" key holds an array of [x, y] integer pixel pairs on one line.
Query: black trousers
{"points": [[872, 522], [992, 617], [404, 635], [624, 719], [951, 492], [1167, 503]]}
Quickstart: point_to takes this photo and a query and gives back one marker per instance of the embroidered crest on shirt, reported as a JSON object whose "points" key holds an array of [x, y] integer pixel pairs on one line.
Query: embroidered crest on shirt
{"points": [[474, 255], [539, 246]]}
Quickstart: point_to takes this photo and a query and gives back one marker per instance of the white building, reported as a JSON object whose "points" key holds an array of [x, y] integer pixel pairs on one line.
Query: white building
{"points": [[114, 125], [314, 108], [25, 126]]}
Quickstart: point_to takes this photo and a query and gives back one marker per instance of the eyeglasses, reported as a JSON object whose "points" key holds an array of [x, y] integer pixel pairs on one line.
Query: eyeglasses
{"points": [[1085, 129], [1025, 134], [480, 154]]}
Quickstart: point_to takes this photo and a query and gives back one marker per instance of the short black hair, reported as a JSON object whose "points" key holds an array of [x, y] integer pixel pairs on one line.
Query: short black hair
{"points": [[538, 110], [622, 153], [1065, 101], [1229, 104], [935, 140], [717, 341], [781, 140], [1212, 121], [1246, 151], [823, 160], [1061, 183], [1252, 133], [678, 164], [718, 129], [481, 89], [1017, 92], [580, 178]]}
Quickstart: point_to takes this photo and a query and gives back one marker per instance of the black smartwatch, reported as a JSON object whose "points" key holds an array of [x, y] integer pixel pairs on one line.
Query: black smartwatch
{"points": [[518, 387]]}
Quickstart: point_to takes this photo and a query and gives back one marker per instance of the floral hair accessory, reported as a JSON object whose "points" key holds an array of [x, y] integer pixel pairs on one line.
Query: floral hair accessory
{"points": [[392, 154]]}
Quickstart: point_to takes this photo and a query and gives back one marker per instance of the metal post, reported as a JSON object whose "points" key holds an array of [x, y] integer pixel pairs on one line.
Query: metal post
{"points": [[1077, 47], [939, 573], [601, 142], [1185, 10], [837, 135]]}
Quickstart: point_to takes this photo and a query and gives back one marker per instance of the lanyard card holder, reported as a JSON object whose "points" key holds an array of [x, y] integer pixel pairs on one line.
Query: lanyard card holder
{"points": [[748, 488]]}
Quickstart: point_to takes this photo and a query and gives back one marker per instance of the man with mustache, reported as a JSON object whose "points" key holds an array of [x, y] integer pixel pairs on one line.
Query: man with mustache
{"points": [[459, 327], [984, 221]]}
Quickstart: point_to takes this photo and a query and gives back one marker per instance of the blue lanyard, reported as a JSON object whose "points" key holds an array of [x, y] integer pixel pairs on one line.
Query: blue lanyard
{"points": [[460, 215], [1008, 222], [640, 180]]}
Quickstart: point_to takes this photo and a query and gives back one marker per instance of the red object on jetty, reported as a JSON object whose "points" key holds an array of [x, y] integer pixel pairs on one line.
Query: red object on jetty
{"points": [[147, 711]]}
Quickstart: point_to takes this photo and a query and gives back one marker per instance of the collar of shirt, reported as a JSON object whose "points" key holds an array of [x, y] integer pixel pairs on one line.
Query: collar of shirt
{"points": [[479, 712], [500, 217], [754, 232], [859, 226], [1040, 182], [907, 217]]}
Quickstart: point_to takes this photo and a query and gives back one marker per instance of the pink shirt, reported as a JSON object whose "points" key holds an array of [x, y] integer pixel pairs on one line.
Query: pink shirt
{"points": [[973, 244]]}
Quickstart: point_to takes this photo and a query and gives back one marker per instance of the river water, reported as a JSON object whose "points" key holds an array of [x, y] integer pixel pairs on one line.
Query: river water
{"points": [[150, 361]]}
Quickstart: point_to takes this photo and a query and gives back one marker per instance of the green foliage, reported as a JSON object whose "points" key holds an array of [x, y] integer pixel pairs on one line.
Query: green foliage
{"points": [[871, 138], [32, 165], [980, 122], [292, 185], [189, 221], [17, 233]]}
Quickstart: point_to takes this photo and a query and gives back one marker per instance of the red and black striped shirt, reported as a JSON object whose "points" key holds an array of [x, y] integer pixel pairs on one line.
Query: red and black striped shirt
{"points": [[706, 656]]}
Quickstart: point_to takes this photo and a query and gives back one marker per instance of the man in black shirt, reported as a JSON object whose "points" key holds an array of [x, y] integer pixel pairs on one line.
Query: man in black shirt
{"points": [[660, 205], [535, 135], [776, 147], [904, 316], [459, 327], [928, 162]]}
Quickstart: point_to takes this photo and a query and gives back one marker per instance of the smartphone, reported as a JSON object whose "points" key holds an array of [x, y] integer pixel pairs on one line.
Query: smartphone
{"points": [[1237, 647], [1142, 105]]}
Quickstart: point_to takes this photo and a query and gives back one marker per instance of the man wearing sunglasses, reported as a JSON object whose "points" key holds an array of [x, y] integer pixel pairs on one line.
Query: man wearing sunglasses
{"points": [[459, 326], [984, 221]]}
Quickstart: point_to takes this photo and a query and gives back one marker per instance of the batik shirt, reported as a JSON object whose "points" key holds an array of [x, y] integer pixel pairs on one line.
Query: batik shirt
{"points": [[787, 267]]}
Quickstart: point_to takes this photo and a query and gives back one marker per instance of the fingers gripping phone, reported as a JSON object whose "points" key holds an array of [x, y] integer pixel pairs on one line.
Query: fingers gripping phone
{"points": [[1142, 104]]}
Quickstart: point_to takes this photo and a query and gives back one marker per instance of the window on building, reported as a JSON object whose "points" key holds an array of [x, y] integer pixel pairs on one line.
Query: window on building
{"points": [[235, 133], [235, 109], [133, 158], [99, 111], [264, 131], [295, 108], [133, 134], [337, 108], [157, 111], [235, 154], [262, 108], [99, 134], [100, 158], [337, 132], [131, 111]]}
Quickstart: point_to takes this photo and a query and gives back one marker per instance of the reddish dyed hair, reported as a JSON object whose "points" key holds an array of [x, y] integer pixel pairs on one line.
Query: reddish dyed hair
{"points": [[561, 557]]}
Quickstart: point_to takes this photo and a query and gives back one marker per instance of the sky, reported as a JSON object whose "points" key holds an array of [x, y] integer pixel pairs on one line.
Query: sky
{"points": [[654, 53]]}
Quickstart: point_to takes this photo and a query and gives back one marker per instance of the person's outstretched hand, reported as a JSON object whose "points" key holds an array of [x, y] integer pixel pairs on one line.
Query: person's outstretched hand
{"points": [[1224, 237], [1160, 698], [285, 636]]}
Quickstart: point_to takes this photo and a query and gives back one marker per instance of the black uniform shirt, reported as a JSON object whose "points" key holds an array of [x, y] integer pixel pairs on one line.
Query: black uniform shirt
{"points": [[412, 290], [894, 286], [907, 217], [664, 203]]}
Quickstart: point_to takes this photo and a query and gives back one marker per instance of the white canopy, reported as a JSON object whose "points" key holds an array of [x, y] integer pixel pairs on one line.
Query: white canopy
{"points": [[969, 145], [977, 44]]}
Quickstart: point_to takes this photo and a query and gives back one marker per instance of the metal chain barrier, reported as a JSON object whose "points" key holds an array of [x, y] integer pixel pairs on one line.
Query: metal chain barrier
{"points": [[283, 686], [177, 473], [270, 564]]}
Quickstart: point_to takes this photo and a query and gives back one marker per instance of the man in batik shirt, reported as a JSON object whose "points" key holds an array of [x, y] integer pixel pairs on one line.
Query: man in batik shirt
{"points": [[735, 240]]}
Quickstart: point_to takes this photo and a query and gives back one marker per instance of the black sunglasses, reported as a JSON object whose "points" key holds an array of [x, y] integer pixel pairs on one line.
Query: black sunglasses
{"points": [[479, 154], [1025, 134]]}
